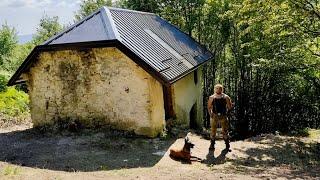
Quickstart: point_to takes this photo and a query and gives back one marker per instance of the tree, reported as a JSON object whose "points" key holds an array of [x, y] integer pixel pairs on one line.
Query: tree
{"points": [[268, 66], [48, 27], [89, 6], [141, 5], [186, 14], [306, 14], [8, 41], [21, 51]]}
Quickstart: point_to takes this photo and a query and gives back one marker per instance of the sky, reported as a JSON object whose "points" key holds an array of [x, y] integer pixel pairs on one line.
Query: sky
{"points": [[25, 15]]}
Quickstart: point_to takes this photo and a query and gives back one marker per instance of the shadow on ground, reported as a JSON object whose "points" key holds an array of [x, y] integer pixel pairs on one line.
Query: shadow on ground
{"points": [[88, 151], [294, 158], [212, 160]]}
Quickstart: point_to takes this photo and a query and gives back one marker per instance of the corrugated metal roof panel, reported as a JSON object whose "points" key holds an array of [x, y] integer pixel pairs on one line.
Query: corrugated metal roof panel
{"points": [[95, 27], [158, 42]]}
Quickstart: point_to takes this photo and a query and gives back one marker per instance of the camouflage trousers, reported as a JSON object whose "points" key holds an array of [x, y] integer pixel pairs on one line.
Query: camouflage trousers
{"points": [[223, 120]]}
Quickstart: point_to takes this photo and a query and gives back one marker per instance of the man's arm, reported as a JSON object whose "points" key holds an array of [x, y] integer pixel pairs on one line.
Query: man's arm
{"points": [[210, 106], [229, 103]]}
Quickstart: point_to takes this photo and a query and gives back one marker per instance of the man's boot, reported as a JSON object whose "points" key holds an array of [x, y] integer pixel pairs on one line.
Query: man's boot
{"points": [[227, 142], [212, 143]]}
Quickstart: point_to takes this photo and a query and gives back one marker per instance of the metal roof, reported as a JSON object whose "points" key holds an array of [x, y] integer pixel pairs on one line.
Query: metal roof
{"points": [[95, 27], [158, 46]]}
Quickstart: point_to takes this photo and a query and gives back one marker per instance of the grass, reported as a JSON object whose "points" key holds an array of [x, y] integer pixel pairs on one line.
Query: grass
{"points": [[314, 133], [103, 168], [10, 171], [306, 132]]}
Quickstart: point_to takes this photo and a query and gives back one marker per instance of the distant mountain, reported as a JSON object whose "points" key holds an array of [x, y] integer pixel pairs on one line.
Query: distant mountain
{"points": [[24, 38]]}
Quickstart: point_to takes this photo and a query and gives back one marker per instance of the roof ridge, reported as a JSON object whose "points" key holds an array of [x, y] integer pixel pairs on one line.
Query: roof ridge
{"points": [[108, 17], [129, 10]]}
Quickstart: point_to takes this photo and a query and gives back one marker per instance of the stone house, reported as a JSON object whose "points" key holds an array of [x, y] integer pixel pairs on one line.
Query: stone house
{"points": [[127, 69]]}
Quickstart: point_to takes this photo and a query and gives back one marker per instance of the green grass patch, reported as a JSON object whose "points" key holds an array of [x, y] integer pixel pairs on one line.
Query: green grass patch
{"points": [[10, 171], [314, 133], [307, 132], [303, 132]]}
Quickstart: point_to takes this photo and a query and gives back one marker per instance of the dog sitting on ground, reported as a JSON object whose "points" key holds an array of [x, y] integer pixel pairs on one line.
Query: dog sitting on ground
{"points": [[185, 153]]}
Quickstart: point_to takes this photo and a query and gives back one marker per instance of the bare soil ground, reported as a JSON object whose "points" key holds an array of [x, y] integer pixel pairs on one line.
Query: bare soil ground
{"points": [[28, 154]]}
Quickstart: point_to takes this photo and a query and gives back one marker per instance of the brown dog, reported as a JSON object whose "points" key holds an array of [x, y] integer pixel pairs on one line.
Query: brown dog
{"points": [[185, 153]]}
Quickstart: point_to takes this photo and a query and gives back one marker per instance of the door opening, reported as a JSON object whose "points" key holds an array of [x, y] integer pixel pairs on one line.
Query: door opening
{"points": [[168, 102], [193, 117]]}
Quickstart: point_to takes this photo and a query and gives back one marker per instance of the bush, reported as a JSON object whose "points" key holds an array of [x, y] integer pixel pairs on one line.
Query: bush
{"points": [[13, 102], [3, 83]]}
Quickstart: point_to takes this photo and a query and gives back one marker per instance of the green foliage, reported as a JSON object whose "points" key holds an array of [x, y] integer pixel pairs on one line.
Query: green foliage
{"points": [[306, 15], [304, 132], [89, 6], [11, 53], [21, 51], [48, 27], [8, 41], [13, 102], [3, 83], [142, 5]]}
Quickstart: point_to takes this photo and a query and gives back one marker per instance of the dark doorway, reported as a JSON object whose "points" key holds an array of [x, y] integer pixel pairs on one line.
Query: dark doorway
{"points": [[168, 102], [193, 117]]}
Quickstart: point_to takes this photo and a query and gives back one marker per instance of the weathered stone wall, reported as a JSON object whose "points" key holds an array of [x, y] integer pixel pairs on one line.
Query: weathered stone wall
{"points": [[186, 94], [97, 86]]}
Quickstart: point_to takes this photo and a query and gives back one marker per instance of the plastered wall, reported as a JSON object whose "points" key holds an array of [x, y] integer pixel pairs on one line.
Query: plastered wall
{"points": [[95, 86], [186, 94]]}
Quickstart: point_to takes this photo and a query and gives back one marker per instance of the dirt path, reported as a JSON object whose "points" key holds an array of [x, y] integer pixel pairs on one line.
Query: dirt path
{"points": [[25, 154]]}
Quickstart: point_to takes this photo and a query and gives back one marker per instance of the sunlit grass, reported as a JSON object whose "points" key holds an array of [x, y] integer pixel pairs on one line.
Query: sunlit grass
{"points": [[314, 133], [10, 171]]}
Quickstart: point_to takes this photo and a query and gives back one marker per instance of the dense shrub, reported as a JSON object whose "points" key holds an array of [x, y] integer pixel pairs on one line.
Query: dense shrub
{"points": [[13, 102]]}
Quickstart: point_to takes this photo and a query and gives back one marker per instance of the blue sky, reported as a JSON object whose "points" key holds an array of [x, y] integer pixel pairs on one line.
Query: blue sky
{"points": [[25, 15]]}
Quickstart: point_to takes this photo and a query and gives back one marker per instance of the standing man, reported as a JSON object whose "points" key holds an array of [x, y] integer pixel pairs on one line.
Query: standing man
{"points": [[218, 105]]}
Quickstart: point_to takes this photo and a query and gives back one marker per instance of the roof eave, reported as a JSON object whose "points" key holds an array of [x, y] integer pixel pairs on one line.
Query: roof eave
{"points": [[54, 47], [189, 71], [143, 64], [84, 45], [15, 77]]}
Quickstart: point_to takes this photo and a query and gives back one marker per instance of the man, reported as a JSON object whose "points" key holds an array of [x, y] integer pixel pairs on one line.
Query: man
{"points": [[218, 105]]}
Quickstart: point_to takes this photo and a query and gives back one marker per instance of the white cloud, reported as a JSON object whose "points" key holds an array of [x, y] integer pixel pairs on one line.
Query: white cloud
{"points": [[27, 3], [67, 3], [39, 3], [25, 15]]}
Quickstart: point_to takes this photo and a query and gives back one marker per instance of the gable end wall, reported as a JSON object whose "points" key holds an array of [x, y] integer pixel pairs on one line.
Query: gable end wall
{"points": [[187, 94], [96, 87]]}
